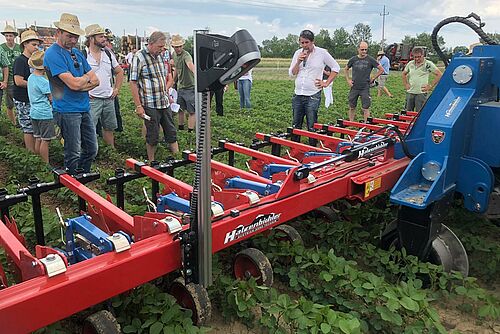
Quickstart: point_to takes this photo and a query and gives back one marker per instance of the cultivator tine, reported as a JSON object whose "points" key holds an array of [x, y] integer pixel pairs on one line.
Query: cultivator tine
{"points": [[151, 206]]}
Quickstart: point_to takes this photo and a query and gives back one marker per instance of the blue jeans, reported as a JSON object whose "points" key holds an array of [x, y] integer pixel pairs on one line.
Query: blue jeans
{"points": [[244, 89], [307, 106], [80, 140]]}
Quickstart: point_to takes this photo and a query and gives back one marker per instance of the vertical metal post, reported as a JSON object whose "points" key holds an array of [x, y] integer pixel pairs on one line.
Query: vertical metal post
{"points": [[82, 205], [231, 158], [276, 149], [120, 195], [203, 151], [37, 216]]}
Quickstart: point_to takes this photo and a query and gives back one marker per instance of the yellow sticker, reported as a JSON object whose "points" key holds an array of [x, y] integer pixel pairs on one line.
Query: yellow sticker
{"points": [[372, 185]]}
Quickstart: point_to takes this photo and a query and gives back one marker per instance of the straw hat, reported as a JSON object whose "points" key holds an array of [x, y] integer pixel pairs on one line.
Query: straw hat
{"points": [[29, 35], [69, 23], [94, 29], [36, 60], [177, 40], [9, 30], [380, 53]]}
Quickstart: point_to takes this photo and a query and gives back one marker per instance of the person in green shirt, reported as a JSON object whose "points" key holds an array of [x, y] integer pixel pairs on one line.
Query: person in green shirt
{"points": [[184, 75], [12, 50], [4, 73], [416, 80]]}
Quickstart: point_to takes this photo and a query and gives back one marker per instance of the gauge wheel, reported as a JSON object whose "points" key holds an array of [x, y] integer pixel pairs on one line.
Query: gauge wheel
{"points": [[193, 297], [102, 322], [251, 262]]}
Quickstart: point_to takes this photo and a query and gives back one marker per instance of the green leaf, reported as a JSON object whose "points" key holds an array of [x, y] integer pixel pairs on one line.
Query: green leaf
{"points": [[461, 290], [368, 286], [315, 257], [349, 326], [156, 328], [129, 329], [326, 328], [485, 311], [409, 304], [389, 316]]}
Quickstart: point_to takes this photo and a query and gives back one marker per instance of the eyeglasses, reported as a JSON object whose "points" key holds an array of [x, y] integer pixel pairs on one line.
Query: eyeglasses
{"points": [[76, 64]]}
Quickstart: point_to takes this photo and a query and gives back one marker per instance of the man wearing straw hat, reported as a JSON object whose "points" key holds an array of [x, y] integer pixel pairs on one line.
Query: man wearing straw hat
{"points": [[29, 44], [104, 63], [12, 51], [71, 77], [184, 75]]}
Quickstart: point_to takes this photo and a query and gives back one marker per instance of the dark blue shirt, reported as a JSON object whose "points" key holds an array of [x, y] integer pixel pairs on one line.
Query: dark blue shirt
{"points": [[58, 60]]}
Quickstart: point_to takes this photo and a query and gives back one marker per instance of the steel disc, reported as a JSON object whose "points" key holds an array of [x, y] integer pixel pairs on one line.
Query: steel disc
{"points": [[448, 251]]}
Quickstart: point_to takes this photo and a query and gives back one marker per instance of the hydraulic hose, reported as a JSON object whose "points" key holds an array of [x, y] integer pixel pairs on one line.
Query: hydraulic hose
{"points": [[477, 27]]}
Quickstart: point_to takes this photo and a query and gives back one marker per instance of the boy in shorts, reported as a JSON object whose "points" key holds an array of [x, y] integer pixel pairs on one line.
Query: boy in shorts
{"points": [[41, 108]]}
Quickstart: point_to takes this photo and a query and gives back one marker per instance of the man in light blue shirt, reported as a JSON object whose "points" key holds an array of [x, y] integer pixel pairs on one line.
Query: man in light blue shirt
{"points": [[384, 61]]}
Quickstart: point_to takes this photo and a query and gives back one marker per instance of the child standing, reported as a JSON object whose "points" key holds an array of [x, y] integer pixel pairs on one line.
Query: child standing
{"points": [[41, 108]]}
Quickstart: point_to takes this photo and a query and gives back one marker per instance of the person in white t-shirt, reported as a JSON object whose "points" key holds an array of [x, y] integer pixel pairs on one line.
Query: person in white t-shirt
{"points": [[104, 64], [244, 85], [128, 59], [307, 67]]}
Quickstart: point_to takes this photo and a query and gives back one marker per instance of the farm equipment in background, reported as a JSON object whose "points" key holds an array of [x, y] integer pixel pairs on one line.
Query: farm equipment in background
{"points": [[400, 54], [448, 148]]}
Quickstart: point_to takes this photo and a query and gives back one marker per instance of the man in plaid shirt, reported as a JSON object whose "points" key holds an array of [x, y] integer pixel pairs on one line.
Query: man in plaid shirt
{"points": [[148, 84]]}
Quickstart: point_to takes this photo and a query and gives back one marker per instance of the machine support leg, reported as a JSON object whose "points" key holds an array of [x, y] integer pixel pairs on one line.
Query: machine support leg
{"points": [[276, 149], [418, 228], [231, 158], [155, 189], [120, 195], [37, 217], [82, 205]]}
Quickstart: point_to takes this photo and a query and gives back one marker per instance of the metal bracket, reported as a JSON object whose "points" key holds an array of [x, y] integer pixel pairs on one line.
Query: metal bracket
{"points": [[174, 225], [54, 264], [119, 241]]}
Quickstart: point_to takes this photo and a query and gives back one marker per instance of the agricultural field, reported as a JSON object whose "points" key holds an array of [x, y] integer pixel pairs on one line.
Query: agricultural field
{"points": [[337, 281]]}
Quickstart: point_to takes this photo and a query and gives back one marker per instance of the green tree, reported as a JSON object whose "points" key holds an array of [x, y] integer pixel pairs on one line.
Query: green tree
{"points": [[323, 40], [279, 47], [460, 48], [361, 32], [341, 42]]}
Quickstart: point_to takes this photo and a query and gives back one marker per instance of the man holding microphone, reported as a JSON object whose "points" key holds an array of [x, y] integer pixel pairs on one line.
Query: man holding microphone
{"points": [[307, 67]]}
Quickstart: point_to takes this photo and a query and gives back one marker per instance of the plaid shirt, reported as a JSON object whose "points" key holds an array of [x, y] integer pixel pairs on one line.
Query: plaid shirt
{"points": [[151, 76]]}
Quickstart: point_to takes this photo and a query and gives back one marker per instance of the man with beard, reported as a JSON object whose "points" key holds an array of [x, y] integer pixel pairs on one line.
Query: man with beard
{"points": [[102, 98], [71, 78]]}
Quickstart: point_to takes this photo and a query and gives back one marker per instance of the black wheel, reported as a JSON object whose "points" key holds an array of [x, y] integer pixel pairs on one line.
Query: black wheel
{"points": [[446, 249], [193, 297], [102, 322], [324, 213], [251, 262], [287, 233]]}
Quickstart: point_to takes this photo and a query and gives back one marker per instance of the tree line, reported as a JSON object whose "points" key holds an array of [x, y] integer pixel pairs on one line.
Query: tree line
{"points": [[342, 44]]}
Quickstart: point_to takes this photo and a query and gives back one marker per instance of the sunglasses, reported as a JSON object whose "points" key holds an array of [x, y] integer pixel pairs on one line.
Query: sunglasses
{"points": [[76, 64]]}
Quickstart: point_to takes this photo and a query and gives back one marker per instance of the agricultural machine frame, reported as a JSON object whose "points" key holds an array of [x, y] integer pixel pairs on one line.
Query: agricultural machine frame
{"points": [[425, 158]]}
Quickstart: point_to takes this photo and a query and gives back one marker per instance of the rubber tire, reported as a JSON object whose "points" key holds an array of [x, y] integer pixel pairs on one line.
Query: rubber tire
{"points": [[193, 297], [257, 265], [102, 322], [291, 234], [326, 213]]}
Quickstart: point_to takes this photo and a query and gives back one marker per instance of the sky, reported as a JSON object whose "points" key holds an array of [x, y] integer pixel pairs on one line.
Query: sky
{"points": [[262, 18]]}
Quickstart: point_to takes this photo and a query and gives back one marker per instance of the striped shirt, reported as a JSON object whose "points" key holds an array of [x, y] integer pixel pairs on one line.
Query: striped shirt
{"points": [[151, 76]]}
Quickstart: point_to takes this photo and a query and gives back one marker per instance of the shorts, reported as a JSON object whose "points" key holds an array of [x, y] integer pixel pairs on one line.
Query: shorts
{"points": [[23, 116], [415, 102], [9, 96], [185, 98], [366, 99], [104, 110], [159, 117], [44, 129], [382, 80]]}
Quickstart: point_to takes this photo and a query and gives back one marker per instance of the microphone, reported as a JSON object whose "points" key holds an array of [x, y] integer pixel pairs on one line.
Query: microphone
{"points": [[304, 61]]}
